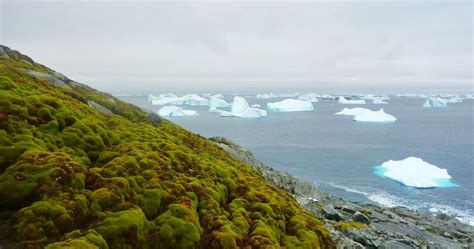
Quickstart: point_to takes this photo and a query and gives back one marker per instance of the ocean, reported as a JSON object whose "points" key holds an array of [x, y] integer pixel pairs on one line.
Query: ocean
{"points": [[338, 155]]}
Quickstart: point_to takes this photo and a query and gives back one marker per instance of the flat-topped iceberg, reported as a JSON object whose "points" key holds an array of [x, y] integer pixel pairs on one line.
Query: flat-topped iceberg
{"points": [[311, 97], [290, 105], [345, 101], [175, 111], [272, 95], [455, 100], [171, 99], [415, 172], [435, 102], [366, 115], [241, 109], [378, 101]]}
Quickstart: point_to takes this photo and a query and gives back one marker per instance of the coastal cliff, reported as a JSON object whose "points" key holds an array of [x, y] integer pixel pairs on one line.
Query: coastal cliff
{"points": [[82, 169], [363, 225]]}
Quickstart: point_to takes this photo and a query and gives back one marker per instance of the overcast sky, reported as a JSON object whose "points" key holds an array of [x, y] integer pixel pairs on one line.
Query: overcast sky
{"points": [[319, 46]]}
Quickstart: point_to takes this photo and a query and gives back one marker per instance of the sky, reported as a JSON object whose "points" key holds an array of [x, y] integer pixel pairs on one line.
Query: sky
{"points": [[232, 46]]}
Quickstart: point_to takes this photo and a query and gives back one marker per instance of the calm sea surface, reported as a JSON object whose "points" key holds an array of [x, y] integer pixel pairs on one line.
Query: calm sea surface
{"points": [[339, 155]]}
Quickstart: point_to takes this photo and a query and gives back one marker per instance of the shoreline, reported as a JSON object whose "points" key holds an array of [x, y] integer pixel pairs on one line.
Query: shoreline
{"points": [[359, 224]]}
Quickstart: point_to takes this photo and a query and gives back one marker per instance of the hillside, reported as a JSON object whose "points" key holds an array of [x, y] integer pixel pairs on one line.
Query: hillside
{"points": [[82, 169]]}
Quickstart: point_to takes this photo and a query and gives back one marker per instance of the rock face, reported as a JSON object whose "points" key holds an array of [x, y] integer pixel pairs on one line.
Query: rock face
{"points": [[363, 225]]}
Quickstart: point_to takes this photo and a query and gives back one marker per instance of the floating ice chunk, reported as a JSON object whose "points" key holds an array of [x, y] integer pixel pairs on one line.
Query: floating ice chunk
{"points": [[174, 111], [327, 96], [455, 100], [352, 111], [290, 105], [217, 102], [167, 101], [435, 102], [255, 106], [195, 100], [366, 115], [272, 95], [240, 108], [264, 96], [343, 100], [416, 173], [469, 96], [311, 97], [374, 116], [378, 101]]}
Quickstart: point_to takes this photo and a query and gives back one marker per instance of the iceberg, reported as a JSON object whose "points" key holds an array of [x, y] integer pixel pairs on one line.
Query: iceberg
{"points": [[435, 102], [455, 100], [271, 95], [311, 97], [415, 172], [374, 116], [366, 115], [217, 102], [378, 101], [264, 96], [290, 105], [175, 111], [171, 99], [343, 100], [255, 105], [241, 109]]}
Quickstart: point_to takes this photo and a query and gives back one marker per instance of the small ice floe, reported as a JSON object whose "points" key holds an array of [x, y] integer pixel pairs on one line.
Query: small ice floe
{"points": [[366, 115], [311, 97], [264, 96], [378, 101], [175, 111], [345, 101], [290, 105], [455, 100], [272, 95], [241, 109], [415, 172], [435, 103], [255, 106]]}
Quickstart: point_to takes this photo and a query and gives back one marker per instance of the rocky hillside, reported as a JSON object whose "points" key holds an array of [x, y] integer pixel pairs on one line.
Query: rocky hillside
{"points": [[82, 169], [362, 225]]}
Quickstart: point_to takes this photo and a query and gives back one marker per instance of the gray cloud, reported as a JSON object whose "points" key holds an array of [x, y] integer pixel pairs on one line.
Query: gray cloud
{"points": [[241, 46]]}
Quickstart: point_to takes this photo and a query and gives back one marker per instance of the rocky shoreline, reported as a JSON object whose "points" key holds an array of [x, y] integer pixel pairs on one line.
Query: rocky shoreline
{"points": [[363, 225]]}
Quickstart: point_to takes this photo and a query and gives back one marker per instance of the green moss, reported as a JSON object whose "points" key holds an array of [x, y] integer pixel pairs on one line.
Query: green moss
{"points": [[68, 170], [347, 225], [125, 229]]}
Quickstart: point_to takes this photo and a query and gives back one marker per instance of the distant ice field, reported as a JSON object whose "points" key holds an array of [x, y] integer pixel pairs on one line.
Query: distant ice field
{"points": [[338, 154]]}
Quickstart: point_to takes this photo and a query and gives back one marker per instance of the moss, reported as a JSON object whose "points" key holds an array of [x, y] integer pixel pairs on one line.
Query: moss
{"points": [[68, 170], [125, 228], [347, 225]]}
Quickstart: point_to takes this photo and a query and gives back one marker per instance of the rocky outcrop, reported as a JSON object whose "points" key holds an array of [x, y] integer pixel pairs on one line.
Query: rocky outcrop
{"points": [[363, 225]]}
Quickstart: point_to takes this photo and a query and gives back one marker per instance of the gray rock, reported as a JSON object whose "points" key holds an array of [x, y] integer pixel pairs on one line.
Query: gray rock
{"points": [[331, 214], [49, 78], [99, 107], [154, 118], [360, 217]]}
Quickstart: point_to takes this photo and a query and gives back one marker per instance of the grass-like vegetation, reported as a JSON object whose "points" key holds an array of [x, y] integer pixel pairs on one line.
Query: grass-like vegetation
{"points": [[347, 225], [78, 178]]}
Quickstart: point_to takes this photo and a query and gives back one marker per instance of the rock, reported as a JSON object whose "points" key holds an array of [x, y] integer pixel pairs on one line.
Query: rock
{"points": [[49, 78], [331, 214], [99, 108], [154, 118], [393, 244], [360, 217]]}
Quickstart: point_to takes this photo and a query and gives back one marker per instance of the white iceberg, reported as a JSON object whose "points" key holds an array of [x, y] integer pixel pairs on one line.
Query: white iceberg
{"points": [[455, 100], [352, 111], [327, 96], [240, 108], [264, 96], [290, 105], [217, 102], [378, 101], [255, 106], [311, 97], [272, 95], [366, 115], [469, 96], [195, 100], [435, 102], [343, 100], [374, 116], [175, 111], [415, 172]]}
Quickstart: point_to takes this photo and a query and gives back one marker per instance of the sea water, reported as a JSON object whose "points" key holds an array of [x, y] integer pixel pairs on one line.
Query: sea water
{"points": [[339, 155]]}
